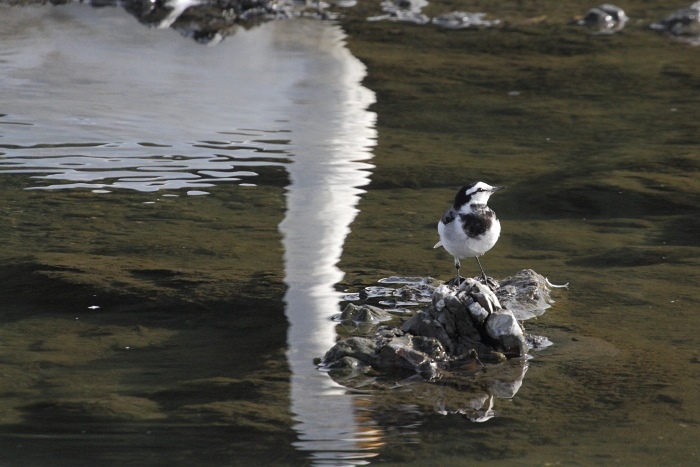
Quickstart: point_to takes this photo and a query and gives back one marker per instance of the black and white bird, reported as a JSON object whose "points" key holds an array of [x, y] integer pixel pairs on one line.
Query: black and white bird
{"points": [[469, 228]]}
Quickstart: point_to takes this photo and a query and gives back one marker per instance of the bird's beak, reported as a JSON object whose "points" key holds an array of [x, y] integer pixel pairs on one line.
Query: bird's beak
{"points": [[496, 188]]}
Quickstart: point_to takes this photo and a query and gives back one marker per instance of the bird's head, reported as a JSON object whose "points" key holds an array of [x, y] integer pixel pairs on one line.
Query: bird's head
{"points": [[475, 193]]}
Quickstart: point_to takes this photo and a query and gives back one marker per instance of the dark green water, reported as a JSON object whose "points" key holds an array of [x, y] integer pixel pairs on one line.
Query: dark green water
{"points": [[198, 353]]}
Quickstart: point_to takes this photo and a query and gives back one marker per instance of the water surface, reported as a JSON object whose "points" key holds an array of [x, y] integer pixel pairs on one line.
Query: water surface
{"points": [[271, 129], [212, 307]]}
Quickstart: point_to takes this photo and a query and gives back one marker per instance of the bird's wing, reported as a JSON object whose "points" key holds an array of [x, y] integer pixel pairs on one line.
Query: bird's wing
{"points": [[438, 244]]}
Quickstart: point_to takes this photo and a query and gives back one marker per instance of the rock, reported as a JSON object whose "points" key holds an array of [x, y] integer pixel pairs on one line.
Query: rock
{"points": [[468, 337], [505, 329], [389, 350], [537, 342], [477, 312], [605, 19], [451, 326], [526, 294], [464, 20], [358, 348], [457, 320], [363, 314], [402, 10], [404, 354], [348, 362], [448, 321], [683, 22], [461, 329], [482, 294], [415, 293]]}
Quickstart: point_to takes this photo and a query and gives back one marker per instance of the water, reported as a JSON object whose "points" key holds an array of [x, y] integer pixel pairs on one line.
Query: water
{"points": [[150, 130], [213, 307], [288, 106]]}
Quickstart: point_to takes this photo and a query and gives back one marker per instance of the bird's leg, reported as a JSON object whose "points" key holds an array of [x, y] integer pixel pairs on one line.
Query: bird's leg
{"points": [[483, 274], [457, 265]]}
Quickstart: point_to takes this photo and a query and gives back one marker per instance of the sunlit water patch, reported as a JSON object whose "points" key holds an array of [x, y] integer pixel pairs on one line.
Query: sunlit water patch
{"points": [[174, 115], [141, 166]]}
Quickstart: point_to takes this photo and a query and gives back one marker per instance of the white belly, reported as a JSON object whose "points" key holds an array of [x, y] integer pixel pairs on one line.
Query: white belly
{"points": [[456, 242]]}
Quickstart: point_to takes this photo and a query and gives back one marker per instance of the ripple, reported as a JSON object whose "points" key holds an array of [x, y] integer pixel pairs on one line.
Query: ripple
{"points": [[126, 166]]}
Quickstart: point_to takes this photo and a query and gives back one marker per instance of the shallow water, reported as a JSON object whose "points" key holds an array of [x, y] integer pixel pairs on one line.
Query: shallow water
{"points": [[145, 326]]}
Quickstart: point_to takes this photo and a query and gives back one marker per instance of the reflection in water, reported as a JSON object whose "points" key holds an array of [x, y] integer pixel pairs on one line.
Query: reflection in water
{"points": [[75, 120], [335, 132]]}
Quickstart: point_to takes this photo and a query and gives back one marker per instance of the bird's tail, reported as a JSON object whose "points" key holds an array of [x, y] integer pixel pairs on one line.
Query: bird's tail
{"points": [[438, 245]]}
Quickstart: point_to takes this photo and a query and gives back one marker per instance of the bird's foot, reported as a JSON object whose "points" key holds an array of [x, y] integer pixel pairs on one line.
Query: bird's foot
{"points": [[492, 283], [456, 281]]}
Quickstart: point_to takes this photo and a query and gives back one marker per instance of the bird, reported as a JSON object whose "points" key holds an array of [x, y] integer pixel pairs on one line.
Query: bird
{"points": [[469, 228]]}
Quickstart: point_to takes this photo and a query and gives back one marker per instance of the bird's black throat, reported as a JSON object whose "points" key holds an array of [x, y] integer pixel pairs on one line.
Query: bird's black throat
{"points": [[477, 223]]}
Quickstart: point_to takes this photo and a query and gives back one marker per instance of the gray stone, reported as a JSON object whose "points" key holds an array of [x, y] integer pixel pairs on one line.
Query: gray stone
{"points": [[399, 354], [505, 329], [477, 312], [364, 314], [482, 294], [467, 324], [347, 362], [359, 348], [526, 294]]}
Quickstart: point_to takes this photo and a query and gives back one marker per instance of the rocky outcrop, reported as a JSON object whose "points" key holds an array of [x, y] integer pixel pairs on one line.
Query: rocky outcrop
{"points": [[470, 318], [605, 19], [468, 326], [683, 22]]}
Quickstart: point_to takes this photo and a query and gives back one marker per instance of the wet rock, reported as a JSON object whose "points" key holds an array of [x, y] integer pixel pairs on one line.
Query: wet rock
{"points": [[683, 22], [389, 350], [348, 362], [363, 314], [478, 312], [416, 292], [526, 294], [537, 342], [472, 321], [413, 353], [469, 338], [209, 21], [404, 11], [483, 295], [605, 19], [469, 319], [502, 327], [464, 20], [358, 348]]}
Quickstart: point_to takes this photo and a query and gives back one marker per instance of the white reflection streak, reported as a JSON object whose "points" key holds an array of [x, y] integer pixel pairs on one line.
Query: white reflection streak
{"points": [[334, 132]]}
